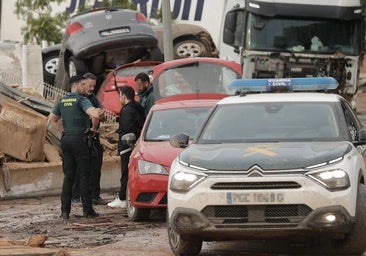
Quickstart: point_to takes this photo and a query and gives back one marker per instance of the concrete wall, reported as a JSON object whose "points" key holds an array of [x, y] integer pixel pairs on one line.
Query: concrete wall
{"points": [[21, 180]]}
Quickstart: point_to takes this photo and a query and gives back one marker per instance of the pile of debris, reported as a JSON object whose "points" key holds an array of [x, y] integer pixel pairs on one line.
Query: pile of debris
{"points": [[25, 134]]}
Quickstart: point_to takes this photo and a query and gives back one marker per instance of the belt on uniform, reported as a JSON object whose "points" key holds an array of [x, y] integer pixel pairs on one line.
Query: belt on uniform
{"points": [[73, 133]]}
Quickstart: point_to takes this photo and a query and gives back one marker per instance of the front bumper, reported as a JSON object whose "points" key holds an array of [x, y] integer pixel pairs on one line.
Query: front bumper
{"points": [[149, 191], [260, 224]]}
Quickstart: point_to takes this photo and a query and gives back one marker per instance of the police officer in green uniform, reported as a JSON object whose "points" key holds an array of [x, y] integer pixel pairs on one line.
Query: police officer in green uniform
{"points": [[76, 112]]}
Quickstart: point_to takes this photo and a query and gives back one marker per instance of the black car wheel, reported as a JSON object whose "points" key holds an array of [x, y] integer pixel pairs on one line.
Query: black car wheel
{"points": [[76, 67], [50, 63], [181, 246], [189, 47], [133, 213]]}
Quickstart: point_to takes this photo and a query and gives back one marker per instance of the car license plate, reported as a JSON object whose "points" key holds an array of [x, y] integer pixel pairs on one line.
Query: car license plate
{"points": [[240, 198], [115, 31]]}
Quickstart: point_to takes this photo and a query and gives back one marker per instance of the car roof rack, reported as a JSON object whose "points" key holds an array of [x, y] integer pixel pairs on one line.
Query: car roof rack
{"points": [[318, 84]]}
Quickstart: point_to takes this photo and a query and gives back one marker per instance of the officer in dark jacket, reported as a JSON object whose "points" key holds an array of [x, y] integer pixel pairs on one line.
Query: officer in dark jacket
{"points": [[97, 156], [76, 112], [131, 120]]}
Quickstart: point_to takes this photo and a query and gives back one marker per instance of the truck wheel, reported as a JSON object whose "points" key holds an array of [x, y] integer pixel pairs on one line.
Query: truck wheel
{"points": [[133, 213], [354, 242], [76, 67], [180, 246], [189, 47]]}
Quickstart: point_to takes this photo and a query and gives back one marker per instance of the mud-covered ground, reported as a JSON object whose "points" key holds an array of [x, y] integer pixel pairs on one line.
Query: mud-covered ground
{"points": [[23, 218], [112, 234]]}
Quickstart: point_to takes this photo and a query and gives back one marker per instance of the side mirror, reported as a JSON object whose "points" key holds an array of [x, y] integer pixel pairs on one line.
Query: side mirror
{"points": [[234, 27], [179, 140], [229, 28], [129, 140]]}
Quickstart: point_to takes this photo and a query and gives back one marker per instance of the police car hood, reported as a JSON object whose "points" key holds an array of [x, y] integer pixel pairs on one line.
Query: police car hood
{"points": [[268, 156]]}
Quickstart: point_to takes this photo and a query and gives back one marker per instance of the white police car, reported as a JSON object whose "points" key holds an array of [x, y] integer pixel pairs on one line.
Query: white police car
{"points": [[272, 166]]}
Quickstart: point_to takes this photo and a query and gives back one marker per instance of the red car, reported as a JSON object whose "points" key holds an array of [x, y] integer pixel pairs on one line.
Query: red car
{"points": [[124, 75], [183, 102], [152, 156]]}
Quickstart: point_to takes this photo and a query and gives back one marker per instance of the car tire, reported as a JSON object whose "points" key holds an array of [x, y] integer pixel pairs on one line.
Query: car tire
{"points": [[354, 242], [133, 213], [189, 47], [180, 246], [50, 63], [76, 67]]}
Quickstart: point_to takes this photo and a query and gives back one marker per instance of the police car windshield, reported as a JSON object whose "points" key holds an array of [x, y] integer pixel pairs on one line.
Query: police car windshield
{"points": [[258, 122]]}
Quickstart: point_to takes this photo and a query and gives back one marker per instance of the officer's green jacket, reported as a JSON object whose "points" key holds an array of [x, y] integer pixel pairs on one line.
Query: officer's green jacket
{"points": [[72, 109]]}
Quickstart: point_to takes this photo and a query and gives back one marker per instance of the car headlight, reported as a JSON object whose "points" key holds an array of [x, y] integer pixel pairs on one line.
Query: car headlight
{"points": [[183, 181], [151, 168], [332, 179]]}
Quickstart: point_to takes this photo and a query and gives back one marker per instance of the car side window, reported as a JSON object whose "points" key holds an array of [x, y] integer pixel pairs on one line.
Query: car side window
{"points": [[351, 120]]}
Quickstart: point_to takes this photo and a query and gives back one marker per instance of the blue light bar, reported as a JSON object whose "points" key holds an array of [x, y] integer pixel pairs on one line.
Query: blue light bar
{"points": [[284, 84]]}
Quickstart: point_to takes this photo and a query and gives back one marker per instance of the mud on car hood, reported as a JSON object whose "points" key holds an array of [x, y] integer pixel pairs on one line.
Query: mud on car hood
{"points": [[268, 156]]}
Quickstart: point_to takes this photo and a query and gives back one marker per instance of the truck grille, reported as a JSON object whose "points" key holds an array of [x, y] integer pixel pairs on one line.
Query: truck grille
{"points": [[255, 185], [266, 215]]}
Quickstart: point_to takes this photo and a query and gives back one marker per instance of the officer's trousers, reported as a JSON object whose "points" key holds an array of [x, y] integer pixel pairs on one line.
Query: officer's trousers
{"points": [[76, 161], [95, 173]]}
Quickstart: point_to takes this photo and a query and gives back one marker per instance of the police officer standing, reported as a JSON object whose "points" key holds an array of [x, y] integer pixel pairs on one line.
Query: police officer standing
{"points": [[76, 112], [97, 152]]}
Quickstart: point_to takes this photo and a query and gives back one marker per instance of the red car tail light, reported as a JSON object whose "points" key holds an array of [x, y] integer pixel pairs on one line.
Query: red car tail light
{"points": [[74, 28], [141, 17]]}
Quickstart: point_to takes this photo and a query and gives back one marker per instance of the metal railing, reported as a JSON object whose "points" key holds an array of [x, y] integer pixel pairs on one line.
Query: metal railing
{"points": [[52, 93], [11, 79]]}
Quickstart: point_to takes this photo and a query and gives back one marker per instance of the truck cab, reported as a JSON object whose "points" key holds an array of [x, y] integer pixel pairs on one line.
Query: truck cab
{"points": [[284, 39]]}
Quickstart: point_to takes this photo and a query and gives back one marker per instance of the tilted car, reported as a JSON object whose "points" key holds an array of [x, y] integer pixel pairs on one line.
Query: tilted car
{"points": [[188, 41], [93, 43], [272, 166], [103, 39], [108, 92]]}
